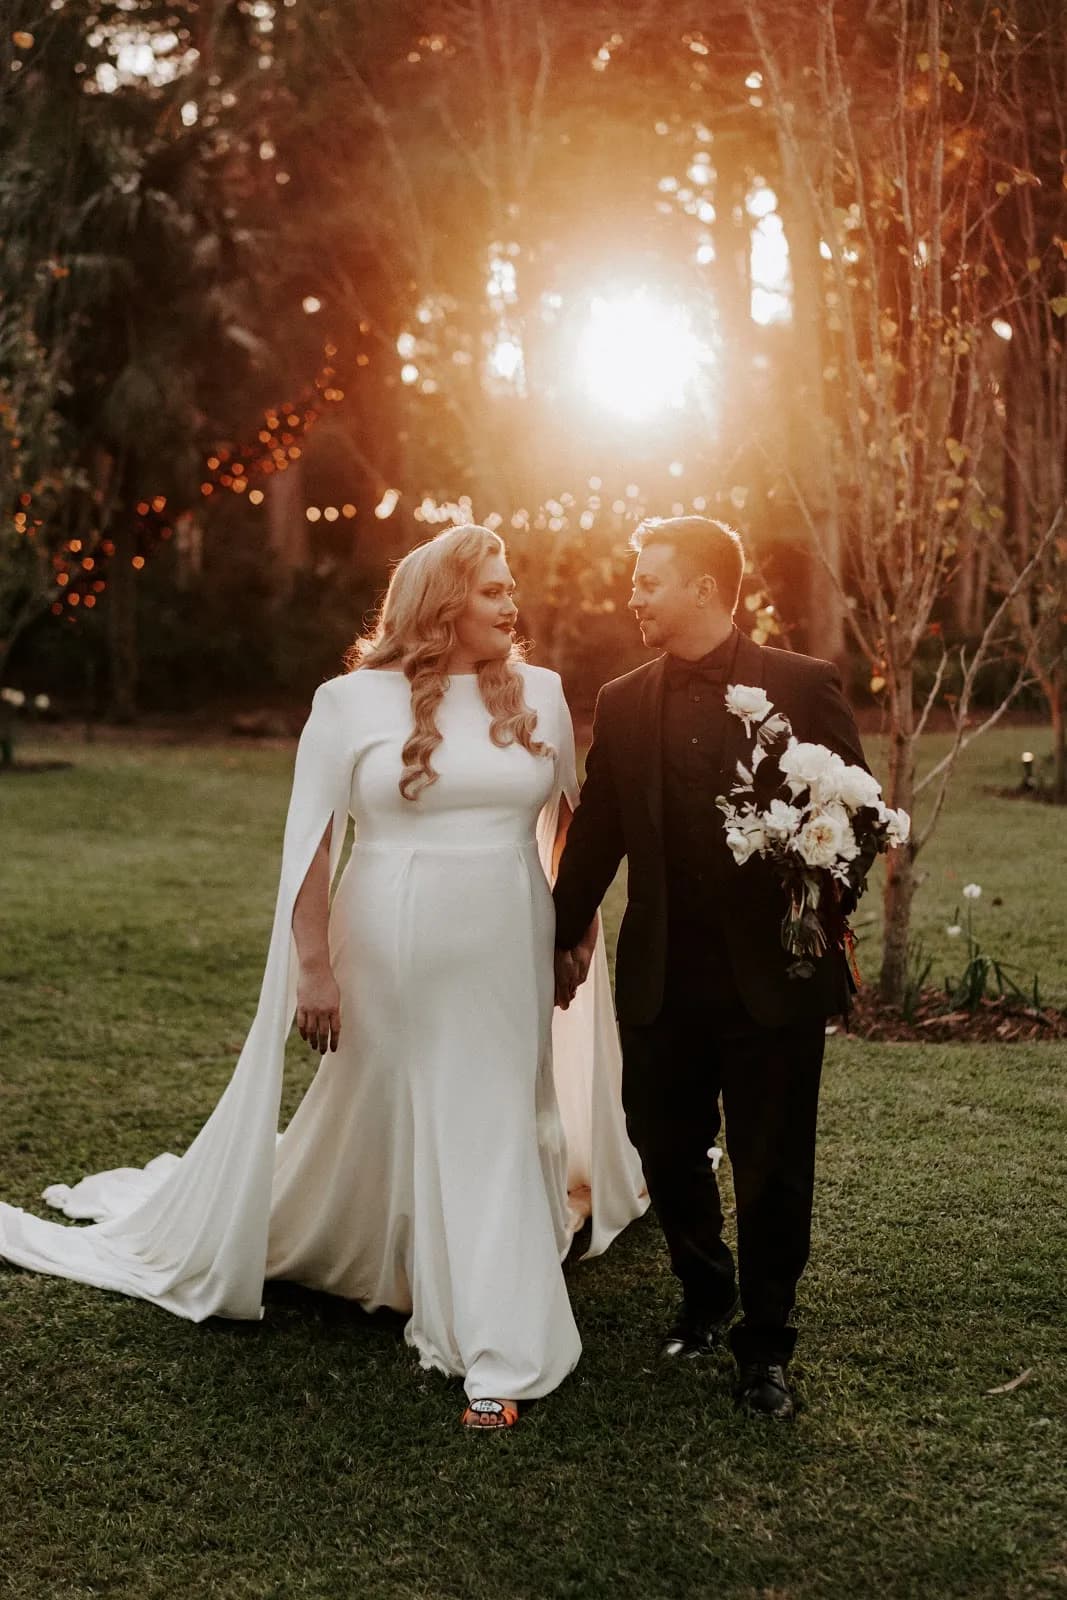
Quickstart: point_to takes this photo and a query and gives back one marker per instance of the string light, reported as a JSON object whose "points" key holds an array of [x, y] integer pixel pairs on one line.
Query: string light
{"points": [[81, 570]]}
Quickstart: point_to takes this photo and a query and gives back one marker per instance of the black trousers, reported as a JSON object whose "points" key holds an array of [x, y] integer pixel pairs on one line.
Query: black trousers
{"points": [[699, 1050]]}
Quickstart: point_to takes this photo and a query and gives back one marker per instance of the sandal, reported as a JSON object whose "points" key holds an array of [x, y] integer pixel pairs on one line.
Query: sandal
{"points": [[490, 1414]]}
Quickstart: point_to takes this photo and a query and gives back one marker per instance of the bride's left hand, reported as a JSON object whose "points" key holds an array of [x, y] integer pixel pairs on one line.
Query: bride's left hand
{"points": [[318, 1009]]}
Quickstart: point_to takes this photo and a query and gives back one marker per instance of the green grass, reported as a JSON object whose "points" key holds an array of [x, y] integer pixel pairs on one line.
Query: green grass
{"points": [[143, 1457]]}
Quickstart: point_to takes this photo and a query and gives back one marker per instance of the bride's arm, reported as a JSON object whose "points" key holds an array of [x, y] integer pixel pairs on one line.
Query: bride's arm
{"points": [[318, 999], [583, 950]]}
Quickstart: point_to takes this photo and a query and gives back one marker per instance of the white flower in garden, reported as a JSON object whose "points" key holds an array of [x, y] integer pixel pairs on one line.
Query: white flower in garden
{"points": [[13, 697], [972, 891], [41, 702], [953, 930], [857, 787], [780, 821], [825, 838], [749, 703]]}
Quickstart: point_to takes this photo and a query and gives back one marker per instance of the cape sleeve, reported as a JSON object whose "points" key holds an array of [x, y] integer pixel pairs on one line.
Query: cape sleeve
{"points": [[190, 1233], [587, 1059]]}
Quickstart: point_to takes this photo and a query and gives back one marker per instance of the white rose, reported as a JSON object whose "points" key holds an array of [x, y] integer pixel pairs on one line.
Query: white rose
{"points": [[780, 821], [739, 844], [953, 930], [898, 828], [746, 837], [41, 702], [822, 839], [857, 788], [849, 848], [972, 891], [744, 700], [811, 767]]}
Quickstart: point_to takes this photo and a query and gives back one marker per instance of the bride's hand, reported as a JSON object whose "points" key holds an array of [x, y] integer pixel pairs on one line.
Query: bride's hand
{"points": [[318, 1008]]}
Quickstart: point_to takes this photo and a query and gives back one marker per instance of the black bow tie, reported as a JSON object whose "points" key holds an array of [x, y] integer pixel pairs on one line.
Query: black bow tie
{"points": [[682, 674]]}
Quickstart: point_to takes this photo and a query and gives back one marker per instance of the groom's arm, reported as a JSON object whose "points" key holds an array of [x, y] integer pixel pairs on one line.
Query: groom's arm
{"points": [[833, 723], [595, 844]]}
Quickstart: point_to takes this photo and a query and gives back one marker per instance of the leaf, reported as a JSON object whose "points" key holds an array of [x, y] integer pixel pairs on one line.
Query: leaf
{"points": [[1059, 305], [877, 684], [1033, 263], [1015, 1383]]}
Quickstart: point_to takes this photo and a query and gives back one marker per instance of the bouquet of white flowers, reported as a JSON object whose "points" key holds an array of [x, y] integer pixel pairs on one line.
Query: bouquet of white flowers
{"points": [[815, 815]]}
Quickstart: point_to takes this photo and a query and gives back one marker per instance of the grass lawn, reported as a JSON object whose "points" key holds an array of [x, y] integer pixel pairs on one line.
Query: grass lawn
{"points": [[143, 1457]]}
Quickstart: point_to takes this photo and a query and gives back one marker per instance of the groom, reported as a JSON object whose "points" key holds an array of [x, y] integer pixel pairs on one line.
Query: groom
{"points": [[706, 1005]]}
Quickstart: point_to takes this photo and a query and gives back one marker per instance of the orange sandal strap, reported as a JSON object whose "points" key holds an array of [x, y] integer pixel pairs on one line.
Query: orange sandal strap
{"points": [[490, 1414]]}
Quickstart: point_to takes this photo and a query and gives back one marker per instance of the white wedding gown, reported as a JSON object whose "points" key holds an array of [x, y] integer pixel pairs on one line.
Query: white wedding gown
{"points": [[428, 1166]]}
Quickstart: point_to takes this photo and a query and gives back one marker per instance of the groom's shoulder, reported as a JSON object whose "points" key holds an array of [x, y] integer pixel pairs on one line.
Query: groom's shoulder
{"points": [[795, 666], [621, 688]]}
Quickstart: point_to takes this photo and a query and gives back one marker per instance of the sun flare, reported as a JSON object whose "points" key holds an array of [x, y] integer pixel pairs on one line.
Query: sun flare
{"points": [[638, 356]]}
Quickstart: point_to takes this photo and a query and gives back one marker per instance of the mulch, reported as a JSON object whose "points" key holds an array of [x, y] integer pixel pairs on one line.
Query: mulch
{"points": [[995, 1021]]}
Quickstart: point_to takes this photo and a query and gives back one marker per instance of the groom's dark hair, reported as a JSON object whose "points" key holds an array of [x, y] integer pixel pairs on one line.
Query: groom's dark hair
{"points": [[701, 545]]}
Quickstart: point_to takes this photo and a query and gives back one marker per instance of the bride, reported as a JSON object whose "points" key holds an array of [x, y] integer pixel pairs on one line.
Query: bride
{"points": [[429, 1166]]}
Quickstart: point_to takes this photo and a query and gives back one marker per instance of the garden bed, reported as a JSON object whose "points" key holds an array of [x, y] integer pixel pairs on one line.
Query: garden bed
{"points": [[993, 1021]]}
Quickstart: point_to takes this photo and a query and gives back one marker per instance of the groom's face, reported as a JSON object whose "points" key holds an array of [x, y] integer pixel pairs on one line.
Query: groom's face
{"points": [[664, 598]]}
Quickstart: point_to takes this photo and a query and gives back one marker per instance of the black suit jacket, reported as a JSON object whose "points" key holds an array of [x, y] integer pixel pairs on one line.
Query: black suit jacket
{"points": [[621, 814]]}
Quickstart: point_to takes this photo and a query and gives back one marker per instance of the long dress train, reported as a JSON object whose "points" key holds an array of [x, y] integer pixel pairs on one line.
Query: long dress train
{"points": [[428, 1165]]}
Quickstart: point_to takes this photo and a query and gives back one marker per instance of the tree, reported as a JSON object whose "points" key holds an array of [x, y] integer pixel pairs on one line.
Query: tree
{"points": [[891, 128], [125, 288], [1031, 269]]}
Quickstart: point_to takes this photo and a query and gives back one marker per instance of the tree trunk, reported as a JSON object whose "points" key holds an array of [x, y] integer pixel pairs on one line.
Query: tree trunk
{"points": [[287, 521], [900, 864], [1059, 738], [122, 625], [810, 441]]}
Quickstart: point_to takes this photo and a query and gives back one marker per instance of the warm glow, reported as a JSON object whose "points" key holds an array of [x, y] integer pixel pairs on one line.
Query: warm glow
{"points": [[772, 298], [638, 355], [1002, 329], [505, 360], [387, 504]]}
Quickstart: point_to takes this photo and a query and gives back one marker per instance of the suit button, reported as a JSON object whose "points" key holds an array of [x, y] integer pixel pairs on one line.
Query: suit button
{"points": [[694, 740]]}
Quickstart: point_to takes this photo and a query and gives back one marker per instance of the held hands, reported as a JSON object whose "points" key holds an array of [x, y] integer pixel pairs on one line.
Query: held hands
{"points": [[318, 1008], [572, 966]]}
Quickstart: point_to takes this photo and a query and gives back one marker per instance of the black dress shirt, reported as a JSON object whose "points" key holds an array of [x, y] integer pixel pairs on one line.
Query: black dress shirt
{"points": [[694, 729]]}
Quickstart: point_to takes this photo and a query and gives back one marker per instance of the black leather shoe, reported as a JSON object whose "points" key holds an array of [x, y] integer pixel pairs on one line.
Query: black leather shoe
{"points": [[763, 1391], [698, 1333]]}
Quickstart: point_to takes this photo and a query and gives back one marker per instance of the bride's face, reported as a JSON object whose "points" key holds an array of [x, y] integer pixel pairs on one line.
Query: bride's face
{"points": [[485, 631]]}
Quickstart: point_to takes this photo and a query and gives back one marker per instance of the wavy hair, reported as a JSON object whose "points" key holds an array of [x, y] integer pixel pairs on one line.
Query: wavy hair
{"points": [[416, 630]]}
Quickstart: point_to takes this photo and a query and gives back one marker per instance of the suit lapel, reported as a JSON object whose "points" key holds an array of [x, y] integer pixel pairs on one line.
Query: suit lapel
{"points": [[737, 744], [648, 740]]}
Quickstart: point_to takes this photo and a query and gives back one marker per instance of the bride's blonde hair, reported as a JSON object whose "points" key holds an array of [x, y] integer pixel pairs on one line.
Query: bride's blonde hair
{"points": [[416, 630]]}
